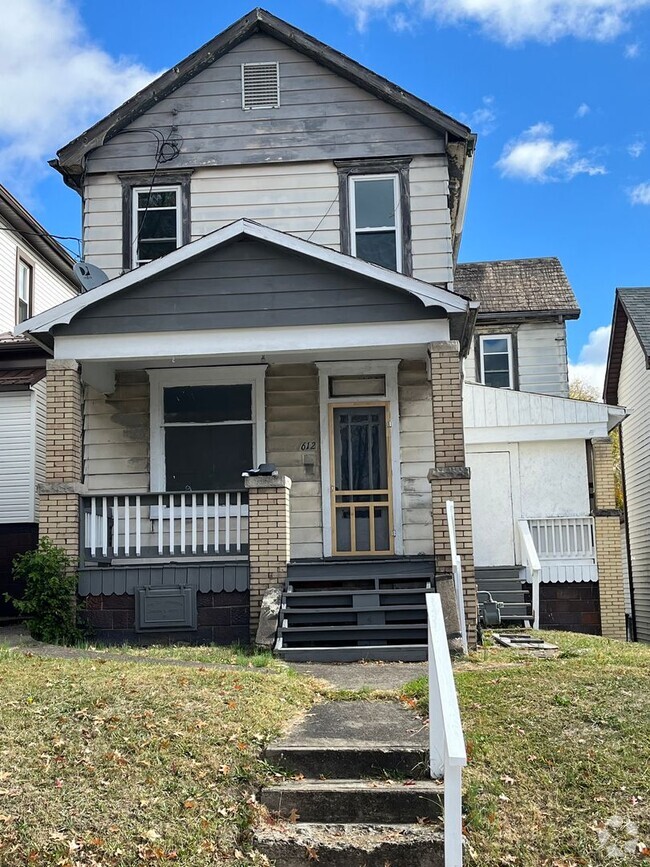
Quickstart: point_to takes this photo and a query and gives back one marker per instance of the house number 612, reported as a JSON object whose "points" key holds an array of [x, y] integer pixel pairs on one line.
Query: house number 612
{"points": [[309, 446]]}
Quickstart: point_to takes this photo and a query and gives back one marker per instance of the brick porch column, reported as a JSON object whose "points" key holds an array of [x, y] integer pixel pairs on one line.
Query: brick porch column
{"points": [[268, 537], [449, 477], [608, 541], [59, 495]]}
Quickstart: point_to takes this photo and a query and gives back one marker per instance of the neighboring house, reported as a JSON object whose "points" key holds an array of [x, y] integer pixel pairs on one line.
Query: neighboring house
{"points": [[281, 227], [532, 451], [628, 382], [35, 274]]}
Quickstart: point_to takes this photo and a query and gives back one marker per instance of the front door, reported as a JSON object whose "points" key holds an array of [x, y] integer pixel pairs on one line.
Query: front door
{"points": [[360, 479]]}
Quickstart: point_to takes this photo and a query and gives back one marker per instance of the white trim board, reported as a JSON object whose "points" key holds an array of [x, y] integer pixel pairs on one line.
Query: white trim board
{"points": [[160, 378], [359, 368], [253, 341], [534, 433], [428, 294]]}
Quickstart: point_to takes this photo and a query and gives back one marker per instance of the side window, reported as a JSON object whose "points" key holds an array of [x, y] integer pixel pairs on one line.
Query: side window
{"points": [[375, 211], [24, 288], [496, 360], [375, 220], [156, 223], [155, 216]]}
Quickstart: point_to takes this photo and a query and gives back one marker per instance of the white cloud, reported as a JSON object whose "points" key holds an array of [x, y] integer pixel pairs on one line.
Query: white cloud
{"points": [[483, 119], [56, 89], [636, 148], [536, 156], [583, 110], [510, 21], [632, 50], [640, 195], [590, 367]]}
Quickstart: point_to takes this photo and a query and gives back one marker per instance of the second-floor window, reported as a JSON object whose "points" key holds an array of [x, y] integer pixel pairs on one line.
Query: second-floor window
{"points": [[156, 223], [375, 220], [24, 289], [496, 360]]}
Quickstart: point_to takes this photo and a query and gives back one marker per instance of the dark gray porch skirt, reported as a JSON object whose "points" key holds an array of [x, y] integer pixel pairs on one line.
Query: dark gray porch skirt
{"points": [[222, 599]]}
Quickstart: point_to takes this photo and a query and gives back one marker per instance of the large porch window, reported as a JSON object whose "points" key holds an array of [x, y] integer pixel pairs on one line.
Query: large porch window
{"points": [[207, 427]]}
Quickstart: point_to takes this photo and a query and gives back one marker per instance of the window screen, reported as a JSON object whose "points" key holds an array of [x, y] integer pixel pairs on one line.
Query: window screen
{"points": [[208, 436]]}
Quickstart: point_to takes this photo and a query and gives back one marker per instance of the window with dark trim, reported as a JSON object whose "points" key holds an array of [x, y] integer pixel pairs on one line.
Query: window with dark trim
{"points": [[496, 360], [375, 211], [24, 287], [155, 218]]}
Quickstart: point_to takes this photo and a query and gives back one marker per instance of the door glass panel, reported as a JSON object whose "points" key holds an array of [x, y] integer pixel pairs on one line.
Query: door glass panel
{"points": [[382, 529]]}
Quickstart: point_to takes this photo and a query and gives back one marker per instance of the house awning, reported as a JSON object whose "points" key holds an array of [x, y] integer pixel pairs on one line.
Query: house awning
{"points": [[20, 379]]}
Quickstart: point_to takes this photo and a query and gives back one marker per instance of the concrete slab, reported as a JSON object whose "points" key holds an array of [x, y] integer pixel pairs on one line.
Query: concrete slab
{"points": [[358, 724], [357, 675]]}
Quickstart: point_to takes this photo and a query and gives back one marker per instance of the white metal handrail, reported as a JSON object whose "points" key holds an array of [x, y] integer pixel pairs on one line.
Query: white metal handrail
{"points": [[154, 525], [457, 570], [532, 565], [563, 538], [447, 754]]}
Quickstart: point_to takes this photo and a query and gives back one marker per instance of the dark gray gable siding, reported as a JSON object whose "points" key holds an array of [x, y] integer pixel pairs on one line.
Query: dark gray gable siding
{"points": [[321, 116], [248, 284]]}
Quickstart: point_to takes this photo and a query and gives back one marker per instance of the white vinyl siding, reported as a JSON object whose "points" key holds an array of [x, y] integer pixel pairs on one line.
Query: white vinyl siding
{"points": [[298, 198], [16, 458], [49, 288], [416, 456], [292, 418], [116, 435], [634, 394], [540, 356]]}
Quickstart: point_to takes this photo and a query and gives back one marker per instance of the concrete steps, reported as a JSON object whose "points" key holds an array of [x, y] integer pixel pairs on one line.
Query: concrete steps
{"points": [[359, 794]]}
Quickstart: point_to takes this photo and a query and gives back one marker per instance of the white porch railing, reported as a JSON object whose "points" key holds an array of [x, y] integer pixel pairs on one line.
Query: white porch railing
{"points": [[532, 565], [447, 755], [457, 570], [153, 526], [563, 538]]}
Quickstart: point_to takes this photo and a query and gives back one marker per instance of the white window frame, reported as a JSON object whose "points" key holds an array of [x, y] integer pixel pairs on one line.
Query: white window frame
{"points": [[388, 369], [159, 379], [171, 188], [23, 266], [353, 179], [511, 371]]}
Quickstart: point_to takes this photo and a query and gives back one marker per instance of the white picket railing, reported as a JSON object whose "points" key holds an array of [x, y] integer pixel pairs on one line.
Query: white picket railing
{"points": [[457, 570], [197, 523], [531, 564], [563, 538], [447, 754]]}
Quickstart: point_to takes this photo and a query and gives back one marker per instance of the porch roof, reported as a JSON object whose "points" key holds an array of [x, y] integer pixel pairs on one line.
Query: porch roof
{"points": [[430, 296], [500, 415]]}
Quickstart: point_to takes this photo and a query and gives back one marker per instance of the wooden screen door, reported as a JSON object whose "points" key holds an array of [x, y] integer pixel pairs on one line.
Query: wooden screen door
{"points": [[362, 518]]}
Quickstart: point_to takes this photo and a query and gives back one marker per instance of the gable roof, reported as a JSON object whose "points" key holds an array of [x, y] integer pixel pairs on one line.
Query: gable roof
{"points": [[35, 236], [70, 158], [630, 305], [512, 286], [428, 294]]}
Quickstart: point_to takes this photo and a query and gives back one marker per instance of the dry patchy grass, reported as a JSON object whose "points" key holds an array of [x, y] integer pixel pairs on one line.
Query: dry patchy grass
{"points": [[559, 754], [105, 763], [210, 654]]}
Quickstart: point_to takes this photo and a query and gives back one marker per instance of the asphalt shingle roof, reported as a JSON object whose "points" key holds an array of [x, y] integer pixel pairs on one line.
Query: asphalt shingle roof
{"points": [[636, 303], [517, 286]]}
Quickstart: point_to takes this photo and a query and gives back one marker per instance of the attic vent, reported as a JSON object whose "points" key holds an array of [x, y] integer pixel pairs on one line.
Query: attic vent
{"points": [[260, 85]]}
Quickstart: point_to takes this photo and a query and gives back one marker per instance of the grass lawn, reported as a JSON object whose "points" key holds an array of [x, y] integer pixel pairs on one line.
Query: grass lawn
{"points": [[105, 763], [210, 654], [559, 754]]}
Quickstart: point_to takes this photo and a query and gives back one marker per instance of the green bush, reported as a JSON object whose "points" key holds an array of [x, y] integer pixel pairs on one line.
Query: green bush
{"points": [[50, 597]]}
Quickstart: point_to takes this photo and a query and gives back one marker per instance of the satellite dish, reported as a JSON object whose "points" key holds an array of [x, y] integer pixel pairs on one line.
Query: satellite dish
{"points": [[88, 276]]}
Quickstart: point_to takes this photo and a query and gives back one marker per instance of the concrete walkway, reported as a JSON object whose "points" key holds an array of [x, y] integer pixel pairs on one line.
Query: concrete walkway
{"points": [[357, 675]]}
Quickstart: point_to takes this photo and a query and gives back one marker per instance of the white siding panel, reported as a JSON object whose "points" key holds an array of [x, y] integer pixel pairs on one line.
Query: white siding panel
{"points": [[634, 394], [416, 458], [16, 458]]}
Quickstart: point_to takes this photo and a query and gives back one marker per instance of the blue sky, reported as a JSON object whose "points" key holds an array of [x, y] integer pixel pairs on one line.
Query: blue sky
{"points": [[558, 92]]}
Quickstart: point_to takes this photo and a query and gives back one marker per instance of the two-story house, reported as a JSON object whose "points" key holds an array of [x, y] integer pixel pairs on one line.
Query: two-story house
{"points": [[280, 227], [35, 274]]}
